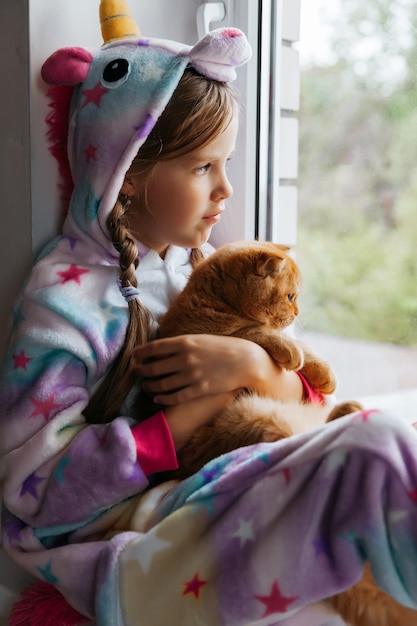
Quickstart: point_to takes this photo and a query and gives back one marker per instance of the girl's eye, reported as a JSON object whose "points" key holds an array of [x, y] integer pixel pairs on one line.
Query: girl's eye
{"points": [[203, 169]]}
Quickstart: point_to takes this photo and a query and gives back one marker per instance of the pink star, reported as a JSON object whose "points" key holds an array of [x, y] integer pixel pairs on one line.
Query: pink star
{"points": [[231, 32], [364, 415], [275, 602], [72, 273], [21, 361], [44, 407], [102, 440], [413, 495], [194, 586], [94, 95], [90, 152]]}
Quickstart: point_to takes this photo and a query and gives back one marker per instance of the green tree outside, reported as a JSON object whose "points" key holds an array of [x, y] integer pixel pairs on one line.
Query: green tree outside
{"points": [[357, 243]]}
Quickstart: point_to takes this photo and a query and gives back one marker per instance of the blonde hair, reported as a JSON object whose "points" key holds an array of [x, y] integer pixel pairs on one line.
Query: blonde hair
{"points": [[199, 110]]}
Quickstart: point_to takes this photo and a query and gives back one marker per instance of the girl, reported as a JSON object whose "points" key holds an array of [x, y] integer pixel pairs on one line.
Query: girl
{"points": [[152, 126], [123, 230]]}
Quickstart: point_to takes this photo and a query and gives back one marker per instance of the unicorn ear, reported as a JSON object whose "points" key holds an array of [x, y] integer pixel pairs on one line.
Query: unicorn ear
{"points": [[67, 66], [219, 52]]}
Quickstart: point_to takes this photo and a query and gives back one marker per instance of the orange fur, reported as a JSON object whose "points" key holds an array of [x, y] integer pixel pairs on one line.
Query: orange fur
{"points": [[365, 604], [248, 290]]}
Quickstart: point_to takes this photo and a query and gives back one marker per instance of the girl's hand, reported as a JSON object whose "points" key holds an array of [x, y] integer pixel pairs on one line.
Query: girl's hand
{"points": [[179, 369], [184, 419]]}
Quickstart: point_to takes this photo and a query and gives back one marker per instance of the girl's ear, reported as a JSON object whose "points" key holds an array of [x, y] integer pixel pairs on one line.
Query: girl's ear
{"points": [[128, 188]]}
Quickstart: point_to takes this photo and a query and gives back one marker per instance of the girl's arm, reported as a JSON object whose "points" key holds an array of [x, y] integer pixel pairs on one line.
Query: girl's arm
{"points": [[182, 368], [183, 419], [69, 326]]}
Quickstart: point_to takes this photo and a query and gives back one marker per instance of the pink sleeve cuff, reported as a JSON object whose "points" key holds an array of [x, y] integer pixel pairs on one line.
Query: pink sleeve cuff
{"points": [[154, 445], [310, 396]]}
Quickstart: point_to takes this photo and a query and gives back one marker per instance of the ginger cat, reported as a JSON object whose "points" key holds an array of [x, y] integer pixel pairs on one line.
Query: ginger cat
{"points": [[250, 290]]}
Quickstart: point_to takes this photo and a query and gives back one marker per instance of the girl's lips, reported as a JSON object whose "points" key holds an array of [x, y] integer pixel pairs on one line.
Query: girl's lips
{"points": [[214, 217]]}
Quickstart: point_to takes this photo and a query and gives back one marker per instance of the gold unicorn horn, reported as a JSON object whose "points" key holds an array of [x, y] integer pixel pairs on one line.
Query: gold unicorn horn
{"points": [[116, 21]]}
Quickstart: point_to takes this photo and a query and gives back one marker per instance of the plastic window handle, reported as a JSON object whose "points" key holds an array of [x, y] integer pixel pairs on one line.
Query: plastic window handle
{"points": [[206, 14]]}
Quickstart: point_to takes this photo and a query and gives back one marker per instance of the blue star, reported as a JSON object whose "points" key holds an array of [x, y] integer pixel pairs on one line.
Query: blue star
{"points": [[59, 470], [212, 472], [46, 573], [206, 502], [115, 320], [18, 317], [356, 541], [350, 536], [264, 456]]}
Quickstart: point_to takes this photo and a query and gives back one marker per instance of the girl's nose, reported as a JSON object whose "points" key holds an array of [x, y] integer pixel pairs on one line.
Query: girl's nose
{"points": [[223, 189]]}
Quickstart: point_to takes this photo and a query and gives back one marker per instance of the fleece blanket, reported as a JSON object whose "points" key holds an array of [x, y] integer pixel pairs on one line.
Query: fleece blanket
{"points": [[265, 530]]}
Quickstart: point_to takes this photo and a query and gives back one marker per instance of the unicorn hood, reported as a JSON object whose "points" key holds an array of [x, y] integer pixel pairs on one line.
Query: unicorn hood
{"points": [[120, 92]]}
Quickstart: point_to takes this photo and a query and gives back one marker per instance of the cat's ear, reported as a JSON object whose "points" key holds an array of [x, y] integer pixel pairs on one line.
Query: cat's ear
{"points": [[271, 265], [282, 247]]}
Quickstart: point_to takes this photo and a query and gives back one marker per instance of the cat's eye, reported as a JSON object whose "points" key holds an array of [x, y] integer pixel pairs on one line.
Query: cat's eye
{"points": [[291, 297]]}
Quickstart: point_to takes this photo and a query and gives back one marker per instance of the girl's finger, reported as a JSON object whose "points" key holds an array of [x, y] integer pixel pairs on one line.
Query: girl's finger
{"points": [[174, 382], [162, 367], [157, 349], [191, 392]]}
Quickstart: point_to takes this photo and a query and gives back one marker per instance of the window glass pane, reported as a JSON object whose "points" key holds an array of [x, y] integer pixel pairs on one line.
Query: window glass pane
{"points": [[357, 226]]}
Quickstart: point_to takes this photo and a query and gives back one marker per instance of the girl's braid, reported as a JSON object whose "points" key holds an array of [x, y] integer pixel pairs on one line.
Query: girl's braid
{"points": [[197, 255], [108, 398]]}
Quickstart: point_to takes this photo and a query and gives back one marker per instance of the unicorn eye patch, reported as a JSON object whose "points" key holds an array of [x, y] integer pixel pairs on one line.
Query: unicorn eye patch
{"points": [[115, 73]]}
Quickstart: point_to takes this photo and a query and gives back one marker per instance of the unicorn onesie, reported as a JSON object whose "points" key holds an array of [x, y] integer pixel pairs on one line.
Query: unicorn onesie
{"points": [[221, 547]]}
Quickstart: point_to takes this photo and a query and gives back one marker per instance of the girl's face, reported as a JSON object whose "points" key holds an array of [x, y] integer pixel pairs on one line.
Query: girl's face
{"points": [[186, 196]]}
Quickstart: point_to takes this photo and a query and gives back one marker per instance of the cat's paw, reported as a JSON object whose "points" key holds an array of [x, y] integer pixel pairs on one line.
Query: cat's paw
{"points": [[344, 408], [320, 376], [283, 350], [292, 359]]}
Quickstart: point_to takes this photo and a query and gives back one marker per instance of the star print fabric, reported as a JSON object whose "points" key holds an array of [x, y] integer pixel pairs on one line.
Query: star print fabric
{"points": [[266, 530]]}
